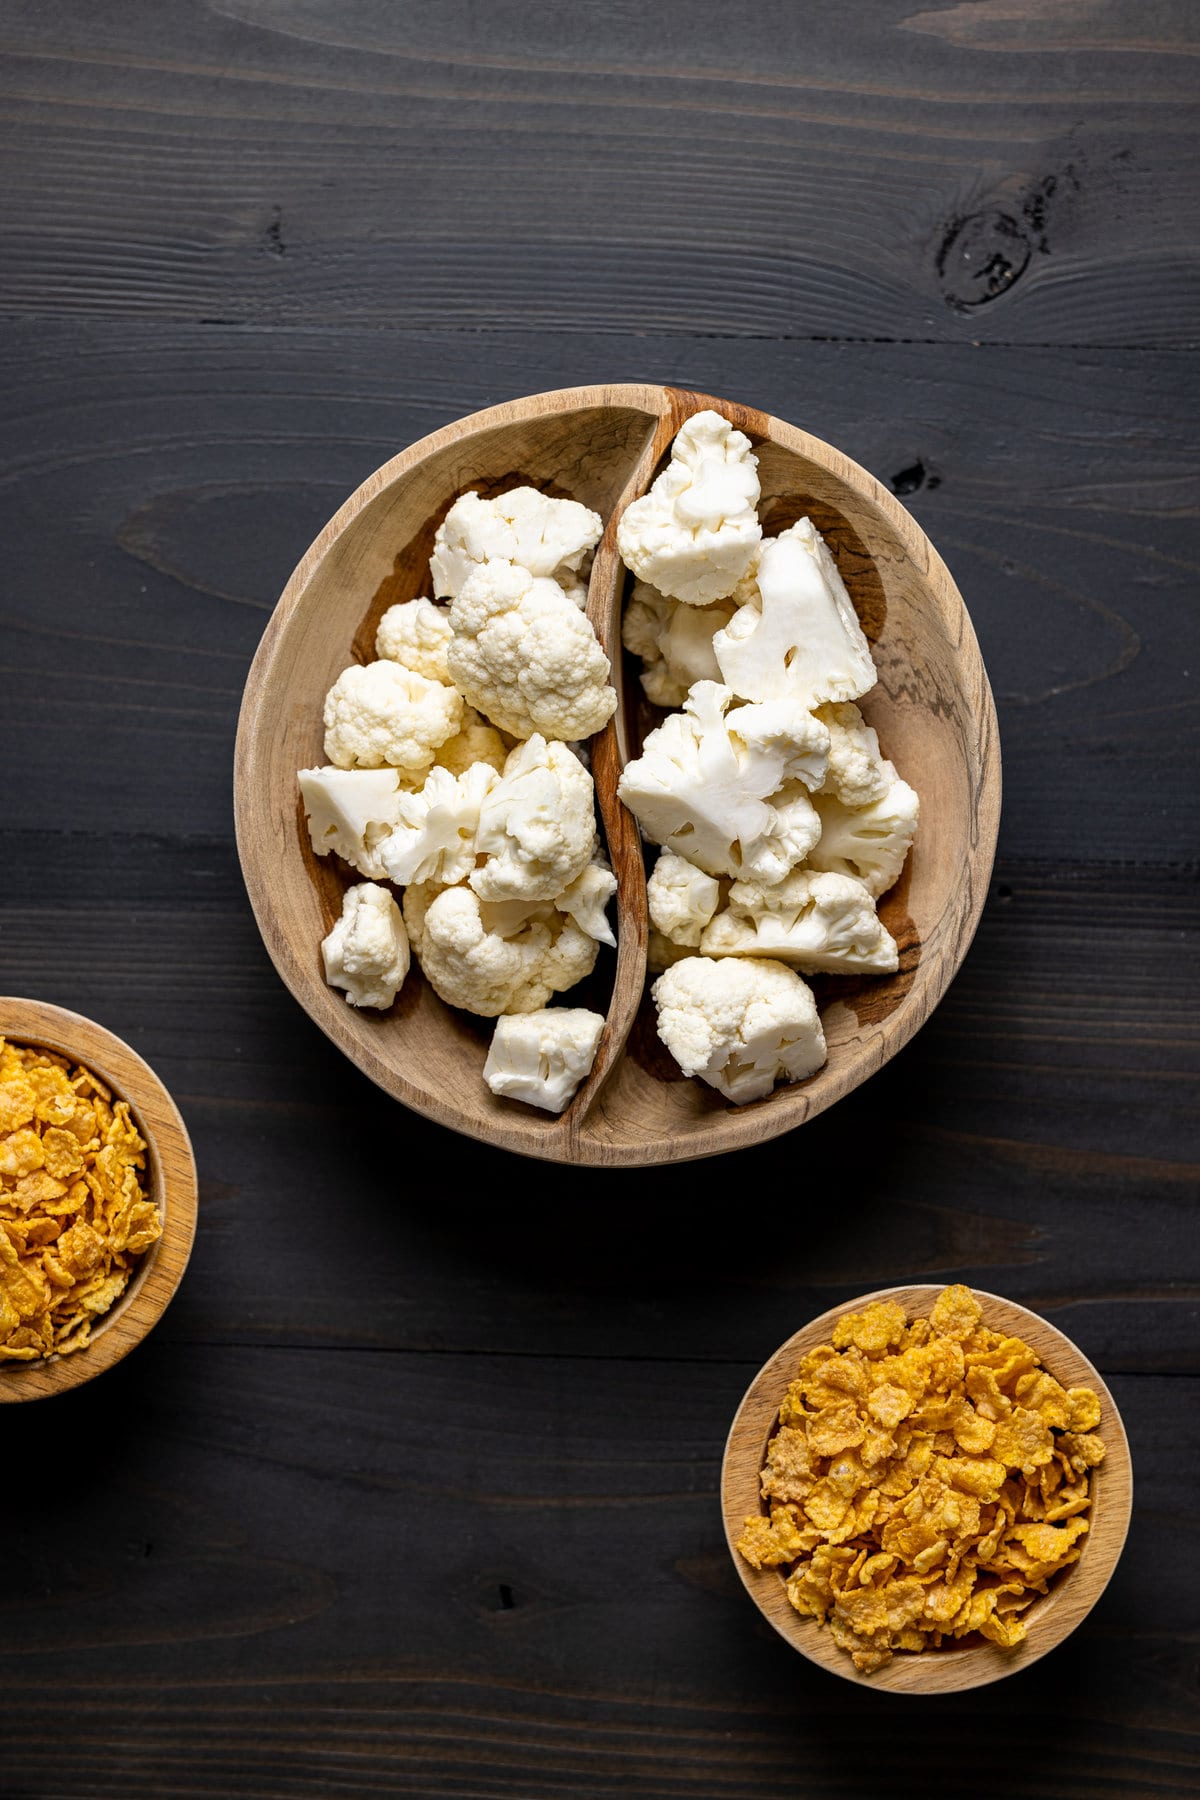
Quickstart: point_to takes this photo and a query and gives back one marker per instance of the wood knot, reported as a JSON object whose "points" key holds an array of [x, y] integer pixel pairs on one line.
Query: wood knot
{"points": [[981, 257]]}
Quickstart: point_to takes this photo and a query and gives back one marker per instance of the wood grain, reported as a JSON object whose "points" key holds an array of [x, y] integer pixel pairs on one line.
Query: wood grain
{"points": [[932, 706], [278, 162], [955, 1668], [170, 1184]]}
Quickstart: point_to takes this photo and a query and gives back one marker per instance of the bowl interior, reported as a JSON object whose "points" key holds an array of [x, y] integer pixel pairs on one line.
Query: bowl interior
{"points": [[974, 1661], [170, 1180], [931, 707]]}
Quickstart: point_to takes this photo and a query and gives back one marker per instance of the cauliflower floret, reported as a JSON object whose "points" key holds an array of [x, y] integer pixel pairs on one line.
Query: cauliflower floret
{"points": [[434, 837], [417, 634], [542, 535], [366, 953], [349, 812], [801, 639], [855, 772], [741, 1024], [476, 742], [682, 899], [537, 825], [541, 1057], [469, 963], [674, 642], [377, 713], [810, 921], [869, 842], [525, 656], [693, 535], [701, 784], [585, 899]]}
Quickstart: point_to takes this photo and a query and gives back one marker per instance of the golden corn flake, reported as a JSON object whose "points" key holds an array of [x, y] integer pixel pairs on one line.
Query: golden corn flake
{"points": [[928, 1480], [74, 1213]]}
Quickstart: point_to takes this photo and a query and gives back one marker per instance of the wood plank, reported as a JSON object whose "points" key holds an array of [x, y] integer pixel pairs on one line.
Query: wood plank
{"points": [[308, 1573], [998, 173], [1038, 1138], [157, 485]]}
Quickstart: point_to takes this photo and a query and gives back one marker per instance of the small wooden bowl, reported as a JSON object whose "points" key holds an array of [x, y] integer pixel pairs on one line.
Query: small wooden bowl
{"points": [[932, 707], [1049, 1620], [171, 1184]]}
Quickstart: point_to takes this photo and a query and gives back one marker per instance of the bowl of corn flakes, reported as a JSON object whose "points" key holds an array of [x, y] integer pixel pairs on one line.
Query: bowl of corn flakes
{"points": [[927, 1489], [97, 1199]]}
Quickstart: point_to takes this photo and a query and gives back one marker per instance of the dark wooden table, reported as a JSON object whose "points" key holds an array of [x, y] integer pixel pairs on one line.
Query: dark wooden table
{"points": [[414, 1491]]}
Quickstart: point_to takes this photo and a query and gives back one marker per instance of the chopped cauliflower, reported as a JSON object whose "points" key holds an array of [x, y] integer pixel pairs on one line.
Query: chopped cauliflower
{"points": [[470, 963], [525, 656], [541, 1057], [475, 742], [545, 536], [349, 812], [721, 787], [810, 921], [869, 842], [855, 772], [741, 1024], [674, 642], [434, 838], [537, 825], [366, 953], [417, 635], [693, 535], [682, 899], [584, 900], [800, 639], [380, 713]]}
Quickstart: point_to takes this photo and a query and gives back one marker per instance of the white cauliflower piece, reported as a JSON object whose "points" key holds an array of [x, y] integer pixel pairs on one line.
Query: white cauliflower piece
{"points": [[801, 639], [471, 963], [537, 825], [855, 772], [741, 1024], [674, 642], [526, 657], [366, 953], [545, 536], [693, 535], [585, 899], [541, 1057], [475, 742], [434, 838], [349, 812], [810, 921], [380, 713], [869, 842], [682, 899], [701, 785], [416, 634]]}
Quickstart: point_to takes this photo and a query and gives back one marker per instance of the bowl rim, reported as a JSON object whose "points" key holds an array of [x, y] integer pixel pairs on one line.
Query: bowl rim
{"points": [[171, 1165], [730, 1128], [1050, 1620]]}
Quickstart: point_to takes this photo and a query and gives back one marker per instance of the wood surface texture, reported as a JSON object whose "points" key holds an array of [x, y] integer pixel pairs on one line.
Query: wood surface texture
{"points": [[931, 706], [415, 1489], [170, 1182], [954, 1668]]}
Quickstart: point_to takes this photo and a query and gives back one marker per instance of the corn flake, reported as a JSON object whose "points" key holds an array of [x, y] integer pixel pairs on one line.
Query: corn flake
{"points": [[927, 1482], [74, 1214]]}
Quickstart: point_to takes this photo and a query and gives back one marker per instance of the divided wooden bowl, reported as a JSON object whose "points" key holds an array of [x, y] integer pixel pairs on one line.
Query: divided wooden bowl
{"points": [[974, 1662], [932, 707], [170, 1183]]}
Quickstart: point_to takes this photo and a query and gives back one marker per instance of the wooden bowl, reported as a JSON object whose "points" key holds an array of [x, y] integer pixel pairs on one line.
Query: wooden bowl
{"points": [[171, 1184], [932, 707], [1049, 1620]]}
